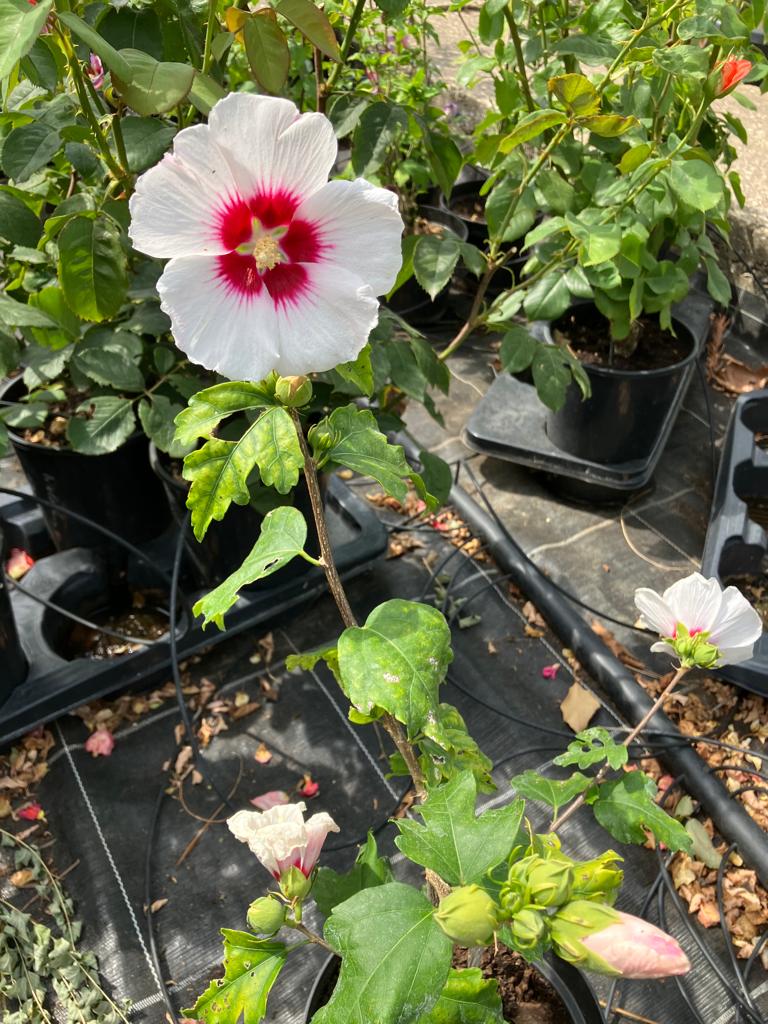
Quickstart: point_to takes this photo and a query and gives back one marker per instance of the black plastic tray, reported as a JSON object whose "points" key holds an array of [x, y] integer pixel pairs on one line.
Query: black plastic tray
{"points": [[55, 685], [510, 423], [736, 544]]}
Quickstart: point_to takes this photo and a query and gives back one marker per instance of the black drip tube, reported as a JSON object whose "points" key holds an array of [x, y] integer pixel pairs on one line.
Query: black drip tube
{"points": [[729, 817]]}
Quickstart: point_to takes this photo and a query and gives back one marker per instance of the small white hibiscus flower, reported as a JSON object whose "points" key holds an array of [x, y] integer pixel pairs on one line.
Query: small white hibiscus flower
{"points": [[701, 623], [272, 266], [280, 837]]}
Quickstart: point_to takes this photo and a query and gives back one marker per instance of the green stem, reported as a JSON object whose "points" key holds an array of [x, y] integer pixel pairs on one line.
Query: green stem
{"points": [[209, 25], [117, 131], [346, 43], [82, 94], [521, 71]]}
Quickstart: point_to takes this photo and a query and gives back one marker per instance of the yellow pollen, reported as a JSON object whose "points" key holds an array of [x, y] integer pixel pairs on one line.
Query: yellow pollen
{"points": [[266, 253]]}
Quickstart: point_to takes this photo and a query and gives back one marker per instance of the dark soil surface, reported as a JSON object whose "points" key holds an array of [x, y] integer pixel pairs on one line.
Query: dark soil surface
{"points": [[586, 331], [143, 621], [526, 996], [469, 208]]}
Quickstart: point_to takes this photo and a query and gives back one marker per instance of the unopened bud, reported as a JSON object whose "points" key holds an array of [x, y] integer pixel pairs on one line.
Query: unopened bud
{"points": [[529, 929], [597, 879], [293, 391], [574, 923], [549, 882], [266, 916], [468, 915], [294, 884]]}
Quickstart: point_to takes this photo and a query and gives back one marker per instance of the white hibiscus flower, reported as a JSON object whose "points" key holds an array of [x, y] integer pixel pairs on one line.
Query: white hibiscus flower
{"points": [[280, 837]]}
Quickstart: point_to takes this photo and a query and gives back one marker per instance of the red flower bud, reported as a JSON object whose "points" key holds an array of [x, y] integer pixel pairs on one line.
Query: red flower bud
{"points": [[732, 72], [19, 563]]}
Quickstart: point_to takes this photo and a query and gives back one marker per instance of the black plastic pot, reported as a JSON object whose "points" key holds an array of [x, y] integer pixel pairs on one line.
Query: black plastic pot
{"points": [[410, 301], [13, 662], [571, 985], [227, 543], [118, 490], [622, 418]]}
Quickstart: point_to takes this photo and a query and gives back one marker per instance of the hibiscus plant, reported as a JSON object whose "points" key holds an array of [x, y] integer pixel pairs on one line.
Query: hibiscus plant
{"points": [[272, 280]]}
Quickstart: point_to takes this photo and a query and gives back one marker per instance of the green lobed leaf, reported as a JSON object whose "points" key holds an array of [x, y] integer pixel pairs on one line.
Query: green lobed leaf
{"points": [[20, 25], [156, 414], [267, 50], [282, 537], [556, 793], [395, 957], [210, 406], [103, 423], [153, 87], [251, 967], [467, 998], [331, 888], [626, 807], [92, 267], [434, 260], [277, 450], [312, 23], [591, 746], [350, 437], [446, 748], [453, 841], [397, 661], [690, 61]]}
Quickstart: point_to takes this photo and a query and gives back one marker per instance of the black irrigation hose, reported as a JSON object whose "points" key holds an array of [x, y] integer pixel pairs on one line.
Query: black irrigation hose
{"points": [[153, 950], [730, 819]]}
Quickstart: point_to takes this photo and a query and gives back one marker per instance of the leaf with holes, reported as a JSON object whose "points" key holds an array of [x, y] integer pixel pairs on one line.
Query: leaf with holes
{"points": [[282, 537], [251, 967], [453, 841], [591, 746], [397, 661]]}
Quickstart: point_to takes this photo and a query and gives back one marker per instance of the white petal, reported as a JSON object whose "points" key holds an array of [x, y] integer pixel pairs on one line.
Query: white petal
{"points": [[328, 325], [271, 146], [215, 327], [695, 601], [738, 623], [174, 208], [318, 827], [656, 613], [660, 647], [735, 655], [362, 227]]}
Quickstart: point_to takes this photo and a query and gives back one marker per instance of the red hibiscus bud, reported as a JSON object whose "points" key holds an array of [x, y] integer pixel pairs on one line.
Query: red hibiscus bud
{"points": [[100, 743], [637, 949], [19, 563], [732, 72]]}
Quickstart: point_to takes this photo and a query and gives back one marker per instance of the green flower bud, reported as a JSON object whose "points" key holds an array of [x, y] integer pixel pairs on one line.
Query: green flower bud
{"points": [[468, 915], [265, 916], [549, 882], [694, 650], [529, 929], [597, 879], [322, 437], [294, 884], [513, 896], [293, 391], [575, 922]]}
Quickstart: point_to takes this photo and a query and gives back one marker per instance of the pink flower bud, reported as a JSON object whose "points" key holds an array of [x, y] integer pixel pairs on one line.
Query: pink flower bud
{"points": [[550, 671], [732, 72], [100, 743], [637, 949], [95, 71]]}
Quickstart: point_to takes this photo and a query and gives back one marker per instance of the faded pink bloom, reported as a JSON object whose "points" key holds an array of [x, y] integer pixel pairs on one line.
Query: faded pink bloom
{"points": [[95, 71], [274, 798], [19, 563], [638, 949], [280, 837], [100, 743], [550, 671]]}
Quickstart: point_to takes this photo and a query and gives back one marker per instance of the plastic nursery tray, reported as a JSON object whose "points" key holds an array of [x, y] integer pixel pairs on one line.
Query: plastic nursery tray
{"points": [[737, 543], [55, 685], [510, 423]]}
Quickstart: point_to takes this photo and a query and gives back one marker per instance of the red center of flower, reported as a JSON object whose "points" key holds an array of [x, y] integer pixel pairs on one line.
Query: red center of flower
{"points": [[267, 247]]}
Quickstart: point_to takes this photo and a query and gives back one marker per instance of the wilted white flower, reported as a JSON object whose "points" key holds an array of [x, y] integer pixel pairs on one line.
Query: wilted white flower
{"points": [[700, 623], [280, 837], [272, 267]]}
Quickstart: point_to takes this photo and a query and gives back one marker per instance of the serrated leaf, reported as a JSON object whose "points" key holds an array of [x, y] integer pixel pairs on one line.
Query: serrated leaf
{"points": [[251, 967], [267, 50], [156, 414], [312, 23], [20, 25], [208, 407], [283, 535], [434, 260], [103, 423], [92, 267], [718, 284], [397, 661], [106, 357], [445, 160], [277, 450], [552, 374], [467, 998], [555, 793], [548, 298], [453, 841], [358, 444], [626, 807], [530, 127], [517, 350], [473, 259], [395, 957], [153, 87], [591, 746], [15, 314], [331, 888]]}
